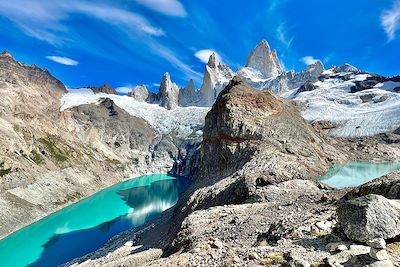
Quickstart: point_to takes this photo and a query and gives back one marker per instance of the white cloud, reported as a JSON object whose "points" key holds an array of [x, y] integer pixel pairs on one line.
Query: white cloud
{"points": [[390, 20], [204, 55], [123, 89], [167, 7], [63, 60], [309, 60]]}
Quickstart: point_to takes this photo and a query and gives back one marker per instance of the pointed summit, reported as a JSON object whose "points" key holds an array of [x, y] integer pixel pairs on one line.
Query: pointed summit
{"points": [[212, 61], [264, 60], [168, 92]]}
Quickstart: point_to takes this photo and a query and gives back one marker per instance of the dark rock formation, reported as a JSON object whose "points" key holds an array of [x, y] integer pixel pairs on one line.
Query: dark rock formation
{"points": [[369, 83], [369, 217], [308, 86], [105, 88]]}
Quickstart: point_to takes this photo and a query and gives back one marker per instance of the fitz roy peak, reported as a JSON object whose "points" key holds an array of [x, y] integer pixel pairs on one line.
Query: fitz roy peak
{"points": [[265, 60]]}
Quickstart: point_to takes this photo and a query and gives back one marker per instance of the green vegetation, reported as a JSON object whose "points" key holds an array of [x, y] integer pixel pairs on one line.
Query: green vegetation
{"points": [[4, 171], [57, 153], [37, 157], [113, 161]]}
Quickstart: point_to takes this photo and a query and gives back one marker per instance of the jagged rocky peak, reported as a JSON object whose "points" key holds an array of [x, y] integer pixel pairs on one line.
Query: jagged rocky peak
{"points": [[265, 60], [105, 88], [188, 96], [14, 73], [216, 77], [168, 92], [316, 67]]}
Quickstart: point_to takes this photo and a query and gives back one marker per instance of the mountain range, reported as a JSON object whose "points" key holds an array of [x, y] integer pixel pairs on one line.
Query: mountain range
{"points": [[253, 141]]}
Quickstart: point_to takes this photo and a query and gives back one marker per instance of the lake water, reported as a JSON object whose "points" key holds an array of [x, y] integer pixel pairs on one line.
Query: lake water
{"points": [[88, 224], [357, 173]]}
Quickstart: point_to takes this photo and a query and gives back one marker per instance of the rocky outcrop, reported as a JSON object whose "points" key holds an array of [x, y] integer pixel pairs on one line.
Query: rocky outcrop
{"points": [[369, 83], [387, 186], [28, 88], [245, 122], [308, 86], [105, 88], [265, 60], [347, 68], [369, 217], [168, 93]]}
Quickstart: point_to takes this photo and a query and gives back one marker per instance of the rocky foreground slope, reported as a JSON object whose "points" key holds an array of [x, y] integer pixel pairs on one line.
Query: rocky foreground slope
{"points": [[46, 147], [255, 203]]}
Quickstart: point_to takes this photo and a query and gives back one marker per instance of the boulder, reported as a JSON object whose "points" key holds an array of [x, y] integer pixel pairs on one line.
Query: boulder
{"points": [[379, 254], [369, 217]]}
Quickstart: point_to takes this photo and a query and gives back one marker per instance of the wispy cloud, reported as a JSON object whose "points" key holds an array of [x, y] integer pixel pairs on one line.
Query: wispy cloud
{"points": [[45, 20], [390, 20], [167, 7], [63, 60], [282, 35], [168, 55], [204, 55], [309, 60]]}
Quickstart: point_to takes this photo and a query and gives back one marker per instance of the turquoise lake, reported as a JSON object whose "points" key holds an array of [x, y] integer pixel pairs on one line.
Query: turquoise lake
{"points": [[357, 173], [88, 224]]}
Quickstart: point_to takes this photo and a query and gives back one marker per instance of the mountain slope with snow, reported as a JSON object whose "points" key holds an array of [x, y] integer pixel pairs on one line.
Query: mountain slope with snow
{"points": [[355, 114], [184, 120]]}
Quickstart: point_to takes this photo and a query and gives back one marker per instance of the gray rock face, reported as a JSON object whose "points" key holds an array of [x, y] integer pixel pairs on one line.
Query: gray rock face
{"points": [[265, 60], [168, 92], [216, 77], [387, 186], [188, 96], [245, 122], [140, 93], [369, 217]]}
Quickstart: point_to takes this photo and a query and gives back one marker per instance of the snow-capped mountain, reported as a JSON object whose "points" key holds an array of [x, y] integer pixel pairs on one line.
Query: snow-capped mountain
{"points": [[355, 103], [262, 63]]}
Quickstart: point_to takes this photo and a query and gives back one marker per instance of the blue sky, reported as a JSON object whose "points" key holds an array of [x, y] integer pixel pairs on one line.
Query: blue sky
{"points": [[133, 42]]}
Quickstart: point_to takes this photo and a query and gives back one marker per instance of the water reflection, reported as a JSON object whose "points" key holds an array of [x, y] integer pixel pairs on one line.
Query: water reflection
{"points": [[86, 226]]}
